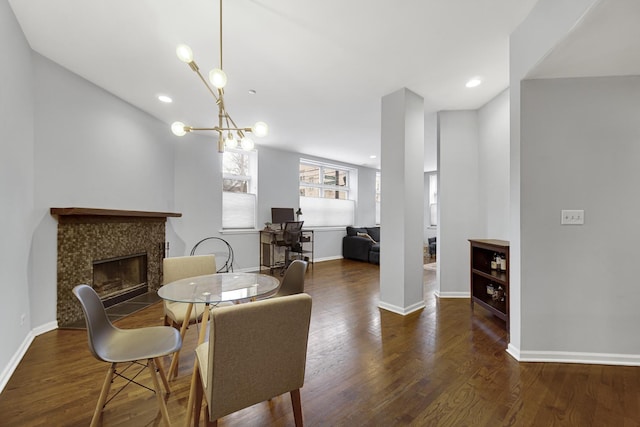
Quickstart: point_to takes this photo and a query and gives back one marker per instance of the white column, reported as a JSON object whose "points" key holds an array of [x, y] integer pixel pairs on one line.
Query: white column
{"points": [[402, 194]]}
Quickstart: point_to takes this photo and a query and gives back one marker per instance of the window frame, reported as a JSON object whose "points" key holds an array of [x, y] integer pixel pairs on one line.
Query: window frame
{"points": [[248, 222], [341, 209], [321, 186]]}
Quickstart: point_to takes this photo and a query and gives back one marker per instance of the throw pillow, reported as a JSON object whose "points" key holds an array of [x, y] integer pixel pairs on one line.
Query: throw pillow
{"points": [[367, 236], [353, 231]]}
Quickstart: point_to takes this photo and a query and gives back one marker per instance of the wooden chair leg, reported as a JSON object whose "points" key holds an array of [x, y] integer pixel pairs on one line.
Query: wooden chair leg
{"points": [[173, 369], [163, 377], [156, 386], [106, 386], [297, 406], [197, 406]]}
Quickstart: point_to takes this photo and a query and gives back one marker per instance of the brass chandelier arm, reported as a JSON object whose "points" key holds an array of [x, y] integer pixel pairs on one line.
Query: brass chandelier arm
{"points": [[241, 130], [195, 68], [215, 85], [218, 129]]}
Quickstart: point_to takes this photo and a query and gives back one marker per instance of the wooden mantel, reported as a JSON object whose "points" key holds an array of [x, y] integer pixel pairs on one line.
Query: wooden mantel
{"points": [[111, 213]]}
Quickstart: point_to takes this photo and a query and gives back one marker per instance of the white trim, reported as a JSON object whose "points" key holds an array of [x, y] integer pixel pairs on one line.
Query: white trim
{"points": [[329, 258], [47, 327], [452, 294], [513, 351], [22, 350], [575, 357], [230, 231], [402, 310]]}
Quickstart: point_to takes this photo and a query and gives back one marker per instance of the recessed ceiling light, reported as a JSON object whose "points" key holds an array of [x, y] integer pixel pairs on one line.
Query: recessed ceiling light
{"points": [[252, 91], [373, 156], [474, 82], [164, 98]]}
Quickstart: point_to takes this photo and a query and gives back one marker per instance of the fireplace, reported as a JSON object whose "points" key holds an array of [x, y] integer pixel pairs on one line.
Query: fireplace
{"points": [[121, 278], [117, 252]]}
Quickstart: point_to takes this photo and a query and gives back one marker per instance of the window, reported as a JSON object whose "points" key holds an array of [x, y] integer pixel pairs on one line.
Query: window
{"points": [[377, 197], [325, 194], [239, 169], [433, 198]]}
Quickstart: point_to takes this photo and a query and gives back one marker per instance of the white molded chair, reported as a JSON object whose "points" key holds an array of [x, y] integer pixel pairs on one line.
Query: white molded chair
{"points": [[256, 351], [114, 345], [293, 280]]}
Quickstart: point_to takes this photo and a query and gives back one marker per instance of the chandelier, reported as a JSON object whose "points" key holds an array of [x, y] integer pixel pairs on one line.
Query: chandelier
{"points": [[229, 134]]}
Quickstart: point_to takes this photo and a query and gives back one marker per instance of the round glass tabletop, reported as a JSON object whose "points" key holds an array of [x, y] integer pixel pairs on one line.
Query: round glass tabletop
{"points": [[215, 288]]}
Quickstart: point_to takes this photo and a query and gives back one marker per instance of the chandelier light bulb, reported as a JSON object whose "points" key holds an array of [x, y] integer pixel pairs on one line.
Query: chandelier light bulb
{"points": [[178, 129], [184, 52], [218, 78], [260, 129], [247, 144], [230, 142]]}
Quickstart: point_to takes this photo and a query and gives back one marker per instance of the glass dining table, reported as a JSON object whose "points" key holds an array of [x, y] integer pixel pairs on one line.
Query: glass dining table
{"points": [[211, 290]]}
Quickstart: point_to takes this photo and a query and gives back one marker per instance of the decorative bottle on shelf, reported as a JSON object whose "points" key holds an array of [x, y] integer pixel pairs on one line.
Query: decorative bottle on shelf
{"points": [[494, 261], [503, 263], [490, 289]]}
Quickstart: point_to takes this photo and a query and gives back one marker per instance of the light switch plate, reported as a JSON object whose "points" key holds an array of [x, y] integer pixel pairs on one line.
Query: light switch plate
{"points": [[572, 217]]}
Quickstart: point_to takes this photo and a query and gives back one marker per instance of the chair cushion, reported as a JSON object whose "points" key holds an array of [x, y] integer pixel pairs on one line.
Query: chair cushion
{"points": [[375, 247], [177, 311], [202, 354]]}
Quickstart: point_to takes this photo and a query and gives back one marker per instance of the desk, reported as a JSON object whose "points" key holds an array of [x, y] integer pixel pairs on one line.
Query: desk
{"points": [[272, 255], [212, 289]]}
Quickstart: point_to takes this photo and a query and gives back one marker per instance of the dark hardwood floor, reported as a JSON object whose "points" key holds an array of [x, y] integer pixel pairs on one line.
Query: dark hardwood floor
{"points": [[442, 366]]}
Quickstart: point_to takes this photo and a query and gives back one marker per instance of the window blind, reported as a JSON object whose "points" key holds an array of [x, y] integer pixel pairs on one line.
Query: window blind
{"points": [[320, 212], [239, 210]]}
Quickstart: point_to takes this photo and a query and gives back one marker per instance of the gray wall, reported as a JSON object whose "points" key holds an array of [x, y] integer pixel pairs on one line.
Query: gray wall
{"points": [[528, 45], [580, 146], [461, 216], [474, 187], [16, 188], [493, 163], [91, 150]]}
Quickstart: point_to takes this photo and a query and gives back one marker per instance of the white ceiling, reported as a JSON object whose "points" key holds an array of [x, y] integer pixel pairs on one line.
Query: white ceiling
{"points": [[606, 42], [319, 68]]}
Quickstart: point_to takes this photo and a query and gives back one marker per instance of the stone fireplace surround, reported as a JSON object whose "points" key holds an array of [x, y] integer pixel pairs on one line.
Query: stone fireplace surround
{"points": [[86, 235]]}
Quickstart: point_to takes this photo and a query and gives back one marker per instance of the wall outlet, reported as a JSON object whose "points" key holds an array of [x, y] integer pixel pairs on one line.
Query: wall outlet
{"points": [[572, 217]]}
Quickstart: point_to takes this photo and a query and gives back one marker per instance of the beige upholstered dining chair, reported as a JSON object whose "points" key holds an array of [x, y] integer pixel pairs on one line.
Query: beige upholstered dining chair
{"points": [[255, 352], [293, 280], [181, 267], [114, 345]]}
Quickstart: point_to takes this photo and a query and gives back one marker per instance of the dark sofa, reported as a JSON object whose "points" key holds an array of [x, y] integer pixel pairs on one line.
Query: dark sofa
{"points": [[356, 245]]}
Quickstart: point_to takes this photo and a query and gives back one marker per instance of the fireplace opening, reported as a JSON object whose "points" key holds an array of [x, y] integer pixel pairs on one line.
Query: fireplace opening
{"points": [[119, 279]]}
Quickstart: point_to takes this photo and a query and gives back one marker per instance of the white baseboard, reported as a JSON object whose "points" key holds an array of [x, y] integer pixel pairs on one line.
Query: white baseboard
{"points": [[452, 294], [574, 357], [22, 350], [401, 310]]}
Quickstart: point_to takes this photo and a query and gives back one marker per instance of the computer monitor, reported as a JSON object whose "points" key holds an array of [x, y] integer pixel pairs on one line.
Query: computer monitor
{"points": [[282, 215]]}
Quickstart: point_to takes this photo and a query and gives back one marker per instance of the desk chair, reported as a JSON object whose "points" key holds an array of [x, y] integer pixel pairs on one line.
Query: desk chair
{"points": [[255, 352], [110, 344], [291, 241]]}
